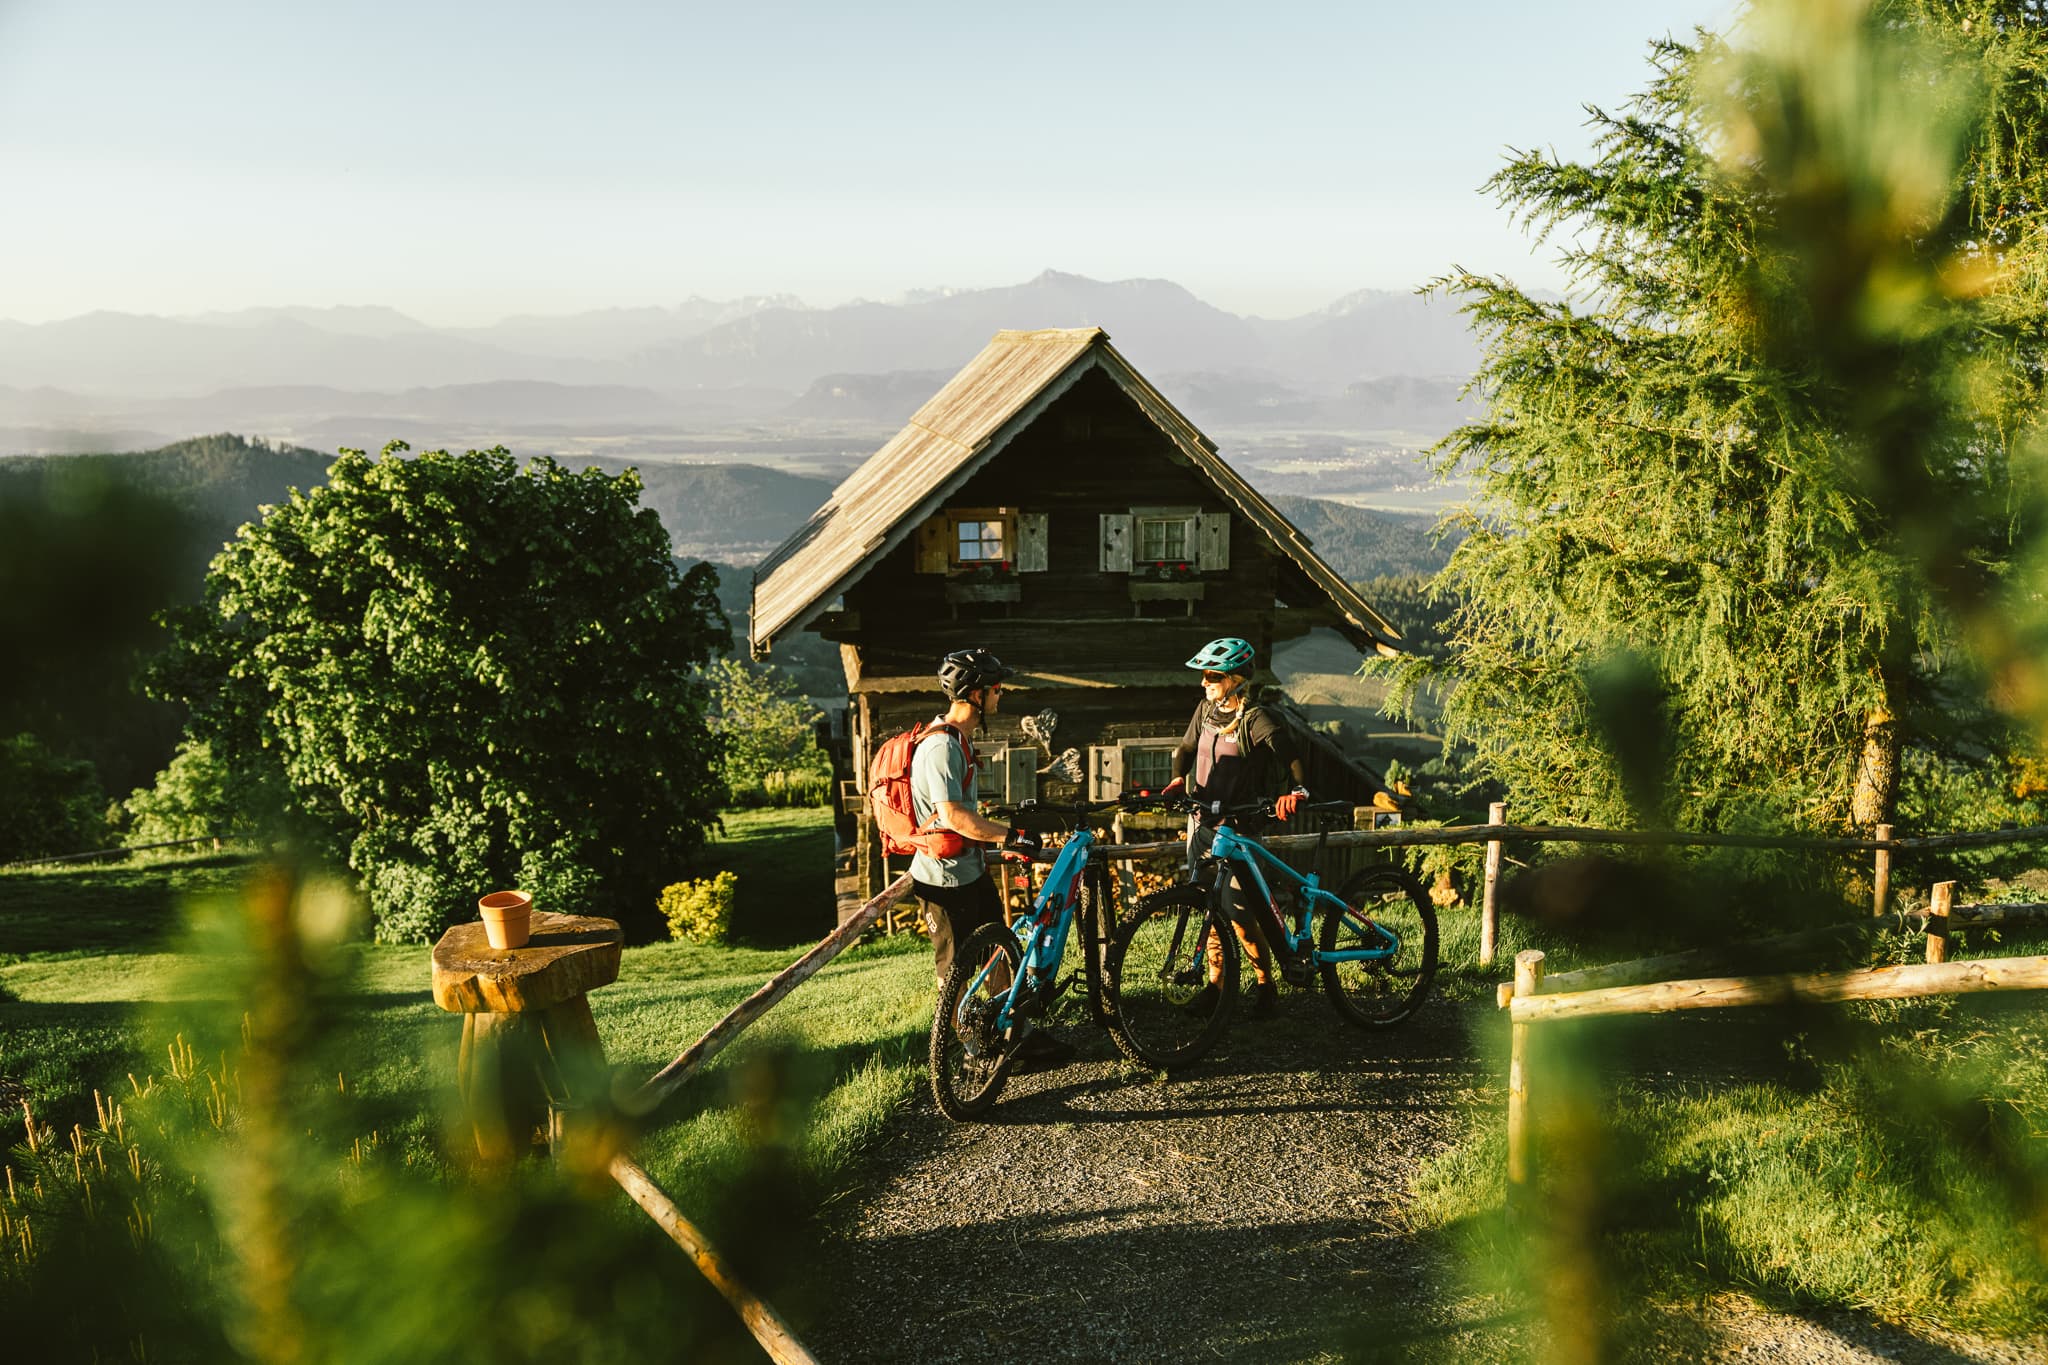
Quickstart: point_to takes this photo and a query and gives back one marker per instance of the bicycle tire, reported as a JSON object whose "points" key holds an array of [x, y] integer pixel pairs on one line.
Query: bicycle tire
{"points": [[1380, 994], [1156, 974], [969, 1060]]}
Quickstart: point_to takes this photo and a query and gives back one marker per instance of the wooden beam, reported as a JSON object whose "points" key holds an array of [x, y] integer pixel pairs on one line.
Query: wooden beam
{"points": [[1874, 983], [1571, 834], [1696, 961], [764, 1322], [1940, 903], [664, 1082], [1528, 980], [1489, 910], [1881, 875]]}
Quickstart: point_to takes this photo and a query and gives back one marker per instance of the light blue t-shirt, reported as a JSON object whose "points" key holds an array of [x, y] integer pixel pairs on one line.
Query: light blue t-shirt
{"points": [[940, 772]]}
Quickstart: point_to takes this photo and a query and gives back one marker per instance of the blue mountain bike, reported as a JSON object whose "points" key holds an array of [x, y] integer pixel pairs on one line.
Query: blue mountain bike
{"points": [[1006, 978], [1373, 944]]}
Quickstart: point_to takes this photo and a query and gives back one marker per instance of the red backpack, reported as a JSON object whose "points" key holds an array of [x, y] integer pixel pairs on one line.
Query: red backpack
{"points": [[889, 797]]}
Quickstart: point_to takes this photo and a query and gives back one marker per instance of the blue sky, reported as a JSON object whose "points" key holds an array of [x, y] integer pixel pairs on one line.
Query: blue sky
{"points": [[465, 161]]}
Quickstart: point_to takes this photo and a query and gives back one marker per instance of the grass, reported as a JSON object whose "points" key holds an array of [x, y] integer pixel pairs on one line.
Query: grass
{"points": [[1895, 1162], [783, 859], [94, 986]]}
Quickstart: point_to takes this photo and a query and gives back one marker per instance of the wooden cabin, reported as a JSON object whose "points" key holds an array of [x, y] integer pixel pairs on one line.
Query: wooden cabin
{"points": [[1050, 505]]}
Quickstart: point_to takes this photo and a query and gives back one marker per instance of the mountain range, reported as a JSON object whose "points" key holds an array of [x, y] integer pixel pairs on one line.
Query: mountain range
{"points": [[773, 342]]}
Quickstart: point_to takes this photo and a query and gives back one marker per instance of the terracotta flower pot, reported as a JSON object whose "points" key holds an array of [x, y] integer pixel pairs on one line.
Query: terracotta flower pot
{"points": [[508, 918]]}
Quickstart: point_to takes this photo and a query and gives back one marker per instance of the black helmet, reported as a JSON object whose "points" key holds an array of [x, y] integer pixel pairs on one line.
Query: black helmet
{"points": [[965, 670]]}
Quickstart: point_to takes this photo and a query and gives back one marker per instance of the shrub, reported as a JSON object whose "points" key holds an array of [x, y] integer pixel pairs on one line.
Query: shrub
{"points": [[49, 804], [193, 798], [700, 911]]}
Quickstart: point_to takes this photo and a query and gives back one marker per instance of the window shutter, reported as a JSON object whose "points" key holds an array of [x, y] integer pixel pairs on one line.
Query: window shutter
{"points": [[1031, 535], [931, 545], [1105, 772], [1212, 531], [1116, 542], [1020, 773]]}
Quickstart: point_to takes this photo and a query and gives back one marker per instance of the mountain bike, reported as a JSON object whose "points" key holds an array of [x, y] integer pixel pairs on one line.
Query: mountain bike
{"points": [[1373, 944], [1006, 977]]}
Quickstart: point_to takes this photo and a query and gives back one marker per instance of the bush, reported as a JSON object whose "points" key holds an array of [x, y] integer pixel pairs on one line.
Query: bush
{"points": [[800, 787], [48, 804], [192, 799], [700, 911]]}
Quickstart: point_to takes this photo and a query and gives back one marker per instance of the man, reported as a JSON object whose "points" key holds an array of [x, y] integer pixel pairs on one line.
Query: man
{"points": [[958, 894], [1234, 753]]}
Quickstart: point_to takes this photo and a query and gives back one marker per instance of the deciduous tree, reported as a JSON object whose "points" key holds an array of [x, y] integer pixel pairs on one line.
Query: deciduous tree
{"points": [[469, 676]]}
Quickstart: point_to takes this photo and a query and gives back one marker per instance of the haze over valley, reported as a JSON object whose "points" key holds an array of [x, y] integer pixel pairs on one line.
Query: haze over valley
{"points": [[1334, 403]]}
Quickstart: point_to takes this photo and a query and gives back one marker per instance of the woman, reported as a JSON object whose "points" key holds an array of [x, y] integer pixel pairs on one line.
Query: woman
{"points": [[1235, 752]]}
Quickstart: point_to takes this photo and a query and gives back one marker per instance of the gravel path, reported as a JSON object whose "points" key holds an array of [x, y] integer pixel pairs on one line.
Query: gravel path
{"points": [[1249, 1211]]}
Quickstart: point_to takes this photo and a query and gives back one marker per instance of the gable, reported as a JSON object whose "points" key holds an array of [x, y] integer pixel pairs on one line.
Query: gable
{"points": [[979, 412]]}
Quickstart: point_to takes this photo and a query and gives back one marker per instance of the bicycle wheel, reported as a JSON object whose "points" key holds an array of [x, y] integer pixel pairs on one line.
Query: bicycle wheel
{"points": [[1162, 1013], [969, 1060], [1385, 908]]}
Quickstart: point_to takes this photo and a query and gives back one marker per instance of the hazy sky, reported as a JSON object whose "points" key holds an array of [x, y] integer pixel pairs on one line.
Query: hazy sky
{"points": [[465, 161]]}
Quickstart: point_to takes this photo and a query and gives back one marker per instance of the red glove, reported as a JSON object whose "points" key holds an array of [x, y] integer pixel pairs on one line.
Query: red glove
{"points": [[1284, 808]]}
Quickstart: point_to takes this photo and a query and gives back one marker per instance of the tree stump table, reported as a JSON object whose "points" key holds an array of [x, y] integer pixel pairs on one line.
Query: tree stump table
{"points": [[530, 1049]]}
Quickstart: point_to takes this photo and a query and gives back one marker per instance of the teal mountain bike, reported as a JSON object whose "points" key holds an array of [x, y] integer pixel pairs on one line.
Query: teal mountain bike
{"points": [[1372, 944], [1007, 978]]}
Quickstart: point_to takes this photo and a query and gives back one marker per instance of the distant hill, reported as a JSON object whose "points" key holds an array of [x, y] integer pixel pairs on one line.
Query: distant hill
{"points": [[1362, 544], [730, 512], [218, 482]]}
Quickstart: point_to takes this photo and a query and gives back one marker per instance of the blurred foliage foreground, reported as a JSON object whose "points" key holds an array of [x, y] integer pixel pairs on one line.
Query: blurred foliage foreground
{"points": [[290, 1180]]}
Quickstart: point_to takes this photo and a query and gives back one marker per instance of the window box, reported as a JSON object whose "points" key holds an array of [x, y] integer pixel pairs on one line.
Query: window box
{"points": [[975, 589], [1153, 590]]}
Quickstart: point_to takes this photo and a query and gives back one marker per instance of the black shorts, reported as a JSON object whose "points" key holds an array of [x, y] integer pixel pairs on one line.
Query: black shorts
{"points": [[952, 913]]}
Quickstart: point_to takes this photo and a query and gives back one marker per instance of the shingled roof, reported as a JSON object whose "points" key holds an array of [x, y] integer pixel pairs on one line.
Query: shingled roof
{"points": [[1000, 393]]}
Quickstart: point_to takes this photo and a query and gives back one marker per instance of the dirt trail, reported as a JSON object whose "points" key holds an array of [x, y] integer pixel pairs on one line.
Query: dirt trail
{"points": [[1250, 1211]]}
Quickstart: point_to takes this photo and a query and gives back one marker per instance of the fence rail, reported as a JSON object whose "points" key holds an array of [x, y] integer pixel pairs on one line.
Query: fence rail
{"points": [[1632, 988]]}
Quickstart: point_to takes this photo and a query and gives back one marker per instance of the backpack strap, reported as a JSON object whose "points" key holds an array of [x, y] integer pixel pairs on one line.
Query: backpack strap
{"points": [[966, 754]]}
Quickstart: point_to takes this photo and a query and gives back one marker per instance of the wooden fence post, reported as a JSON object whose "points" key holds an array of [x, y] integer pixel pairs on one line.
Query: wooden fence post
{"points": [[1881, 875], [1489, 913], [1937, 921], [1528, 976]]}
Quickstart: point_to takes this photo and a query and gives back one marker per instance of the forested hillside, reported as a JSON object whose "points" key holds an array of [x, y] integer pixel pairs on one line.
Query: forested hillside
{"points": [[1361, 544], [726, 511]]}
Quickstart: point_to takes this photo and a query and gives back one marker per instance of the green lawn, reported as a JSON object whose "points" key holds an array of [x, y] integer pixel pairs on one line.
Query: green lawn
{"points": [[783, 859], [94, 987]]}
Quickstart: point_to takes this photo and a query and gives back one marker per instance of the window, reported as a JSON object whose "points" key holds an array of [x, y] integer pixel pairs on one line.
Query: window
{"points": [[978, 542], [1147, 767], [1163, 540]]}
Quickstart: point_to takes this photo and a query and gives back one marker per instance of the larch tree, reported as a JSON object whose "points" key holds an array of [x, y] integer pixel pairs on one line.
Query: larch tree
{"points": [[1687, 591]]}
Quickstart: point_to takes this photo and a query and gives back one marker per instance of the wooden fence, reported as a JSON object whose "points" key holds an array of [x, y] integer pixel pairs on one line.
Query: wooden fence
{"points": [[1645, 986], [1596, 991], [770, 1331]]}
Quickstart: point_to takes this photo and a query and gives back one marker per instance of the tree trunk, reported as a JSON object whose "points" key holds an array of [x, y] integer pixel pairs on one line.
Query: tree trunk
{"points": [[1877, 770]]}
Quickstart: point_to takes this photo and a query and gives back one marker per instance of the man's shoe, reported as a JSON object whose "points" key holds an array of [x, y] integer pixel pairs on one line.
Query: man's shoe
{"points": [[1204, 1000], [1040, 1051], [1267, 1000]]}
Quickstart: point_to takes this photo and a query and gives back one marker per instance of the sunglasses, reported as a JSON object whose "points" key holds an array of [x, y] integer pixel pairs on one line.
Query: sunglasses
{"points": [[1208, 678]]}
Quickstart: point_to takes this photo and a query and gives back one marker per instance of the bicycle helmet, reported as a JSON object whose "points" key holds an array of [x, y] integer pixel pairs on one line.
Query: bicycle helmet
{"points": [[1227, 655], [966, 670]]}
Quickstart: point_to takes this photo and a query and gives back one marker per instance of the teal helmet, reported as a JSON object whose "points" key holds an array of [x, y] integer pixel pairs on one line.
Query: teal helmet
{"points": [[1227, 655]]}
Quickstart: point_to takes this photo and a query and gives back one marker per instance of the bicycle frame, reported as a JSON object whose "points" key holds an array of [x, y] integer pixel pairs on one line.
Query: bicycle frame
{"points": [[1043, 933], [1249, 857]]}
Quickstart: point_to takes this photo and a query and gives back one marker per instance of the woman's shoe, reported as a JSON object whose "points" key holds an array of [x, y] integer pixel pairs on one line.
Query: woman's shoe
{"points": [[1266, 1001], [1204, 1000]]}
